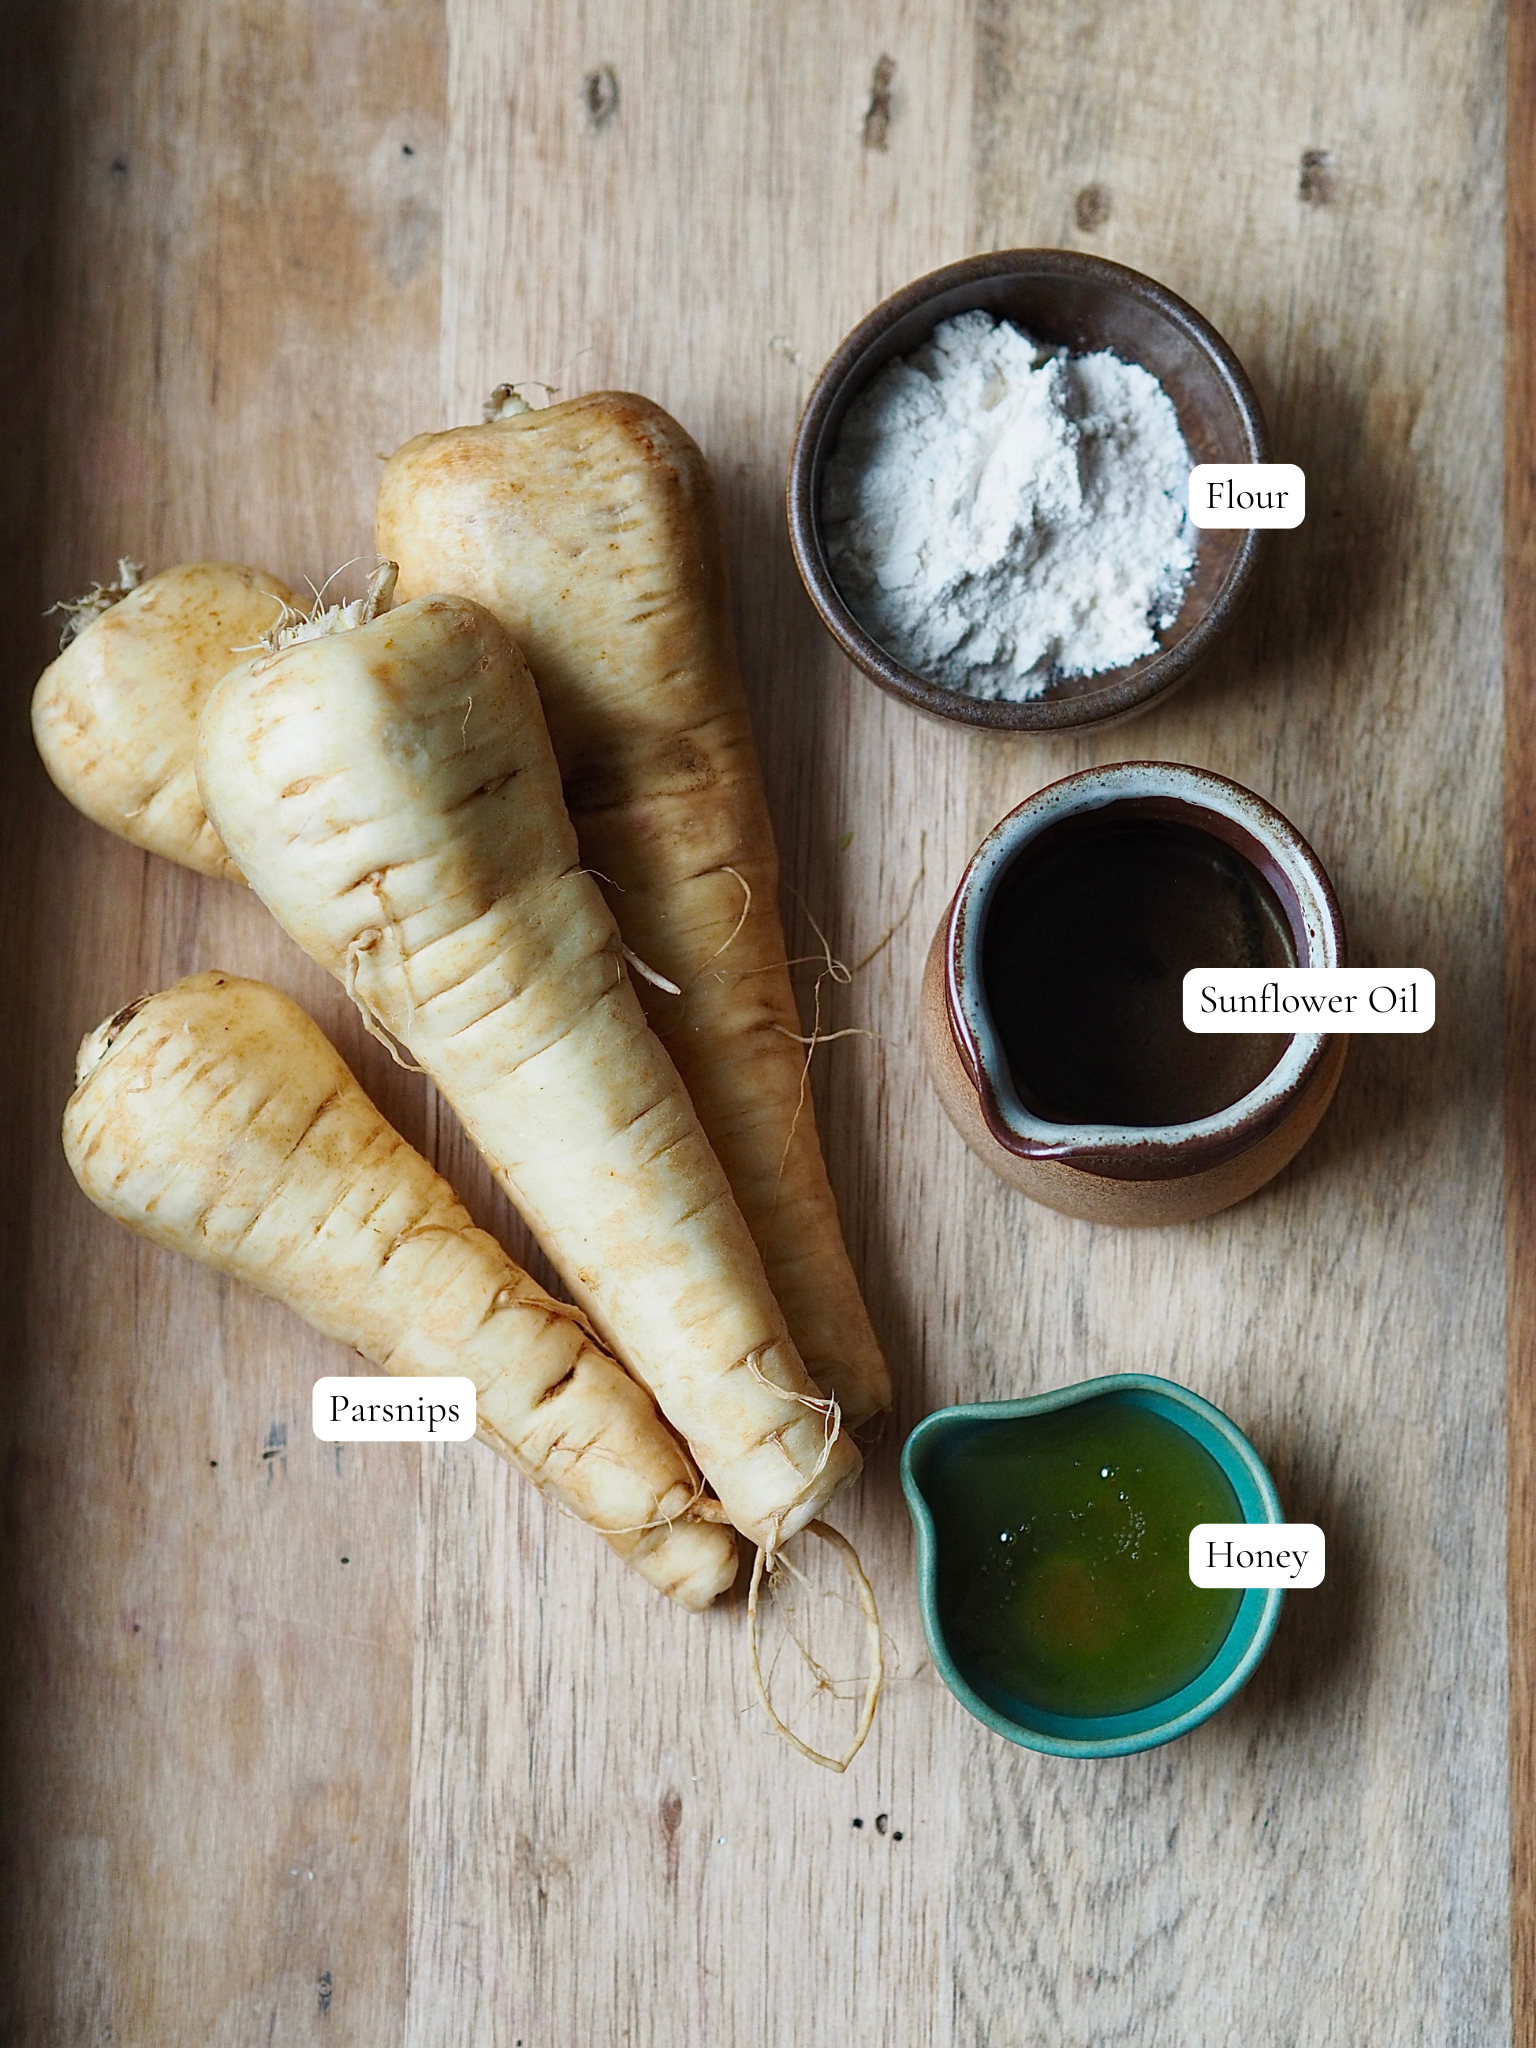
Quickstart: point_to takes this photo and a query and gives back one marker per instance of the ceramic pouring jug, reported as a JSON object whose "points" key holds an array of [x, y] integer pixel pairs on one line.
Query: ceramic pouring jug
{"points": [[1129, 1172]]}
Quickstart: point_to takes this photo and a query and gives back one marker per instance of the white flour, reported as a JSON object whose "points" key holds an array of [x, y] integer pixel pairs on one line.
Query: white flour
{"points": [[998, 516]]}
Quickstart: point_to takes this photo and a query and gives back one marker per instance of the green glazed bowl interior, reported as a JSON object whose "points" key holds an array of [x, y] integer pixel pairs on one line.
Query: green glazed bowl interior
{"points": [[935, 1440]]}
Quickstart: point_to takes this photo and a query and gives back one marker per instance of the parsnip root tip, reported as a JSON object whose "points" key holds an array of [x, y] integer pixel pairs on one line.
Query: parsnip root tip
{"points": [[876, 1681]]}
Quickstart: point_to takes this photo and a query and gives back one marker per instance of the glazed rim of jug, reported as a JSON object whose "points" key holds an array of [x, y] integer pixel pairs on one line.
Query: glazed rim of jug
{"points": [[1205, 802]]}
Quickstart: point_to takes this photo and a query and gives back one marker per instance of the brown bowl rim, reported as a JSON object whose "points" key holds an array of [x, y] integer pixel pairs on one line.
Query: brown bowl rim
{"points": [[1127, 692]]}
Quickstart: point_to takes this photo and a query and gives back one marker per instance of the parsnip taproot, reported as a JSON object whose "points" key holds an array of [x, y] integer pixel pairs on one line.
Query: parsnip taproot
{"points": [[390, 793], [217, 1119], [590, 530], [115, 717]]}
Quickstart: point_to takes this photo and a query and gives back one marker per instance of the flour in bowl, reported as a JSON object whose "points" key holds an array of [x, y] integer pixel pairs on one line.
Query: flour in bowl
{"points": [[999, 516]]}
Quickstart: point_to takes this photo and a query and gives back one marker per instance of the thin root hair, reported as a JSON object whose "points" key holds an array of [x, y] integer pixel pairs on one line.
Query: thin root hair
{"points": [[363, 944], [294, 626], [80, 612], [656, 980], [876, 1677]]}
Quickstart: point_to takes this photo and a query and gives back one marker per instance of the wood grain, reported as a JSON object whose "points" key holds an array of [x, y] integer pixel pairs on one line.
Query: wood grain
{"points": [[1350, 1318], [696, 246], [209, 1619], [541, 1809], [1520, 1001]]}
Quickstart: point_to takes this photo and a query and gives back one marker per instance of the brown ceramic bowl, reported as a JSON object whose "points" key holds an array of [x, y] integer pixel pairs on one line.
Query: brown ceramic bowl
{"points": [[1129, 1173], [1083, 304]]}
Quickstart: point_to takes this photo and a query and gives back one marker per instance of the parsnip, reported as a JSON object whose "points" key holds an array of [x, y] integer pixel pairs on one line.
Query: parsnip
{"points": [[591, 530], [115, 717], [217, 1119], [391, 794]]}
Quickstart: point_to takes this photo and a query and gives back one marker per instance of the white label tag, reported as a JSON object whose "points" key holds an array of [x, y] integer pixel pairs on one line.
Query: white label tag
{"points": [[1309, 999], [349, 1410], [1288, 1554], [1247, 494]]}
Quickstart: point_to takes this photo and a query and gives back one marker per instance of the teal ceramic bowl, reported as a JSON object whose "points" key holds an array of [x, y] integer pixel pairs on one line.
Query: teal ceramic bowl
{"points": [[938, 1436]]}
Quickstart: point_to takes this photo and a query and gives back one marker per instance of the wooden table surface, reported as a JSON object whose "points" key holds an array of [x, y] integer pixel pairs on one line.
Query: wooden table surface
{"points": [[362, 1744]]}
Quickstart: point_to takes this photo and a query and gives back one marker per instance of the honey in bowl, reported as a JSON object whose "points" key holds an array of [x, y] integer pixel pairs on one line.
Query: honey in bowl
{"points": [[1063, 1557], [1087, 943]]}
